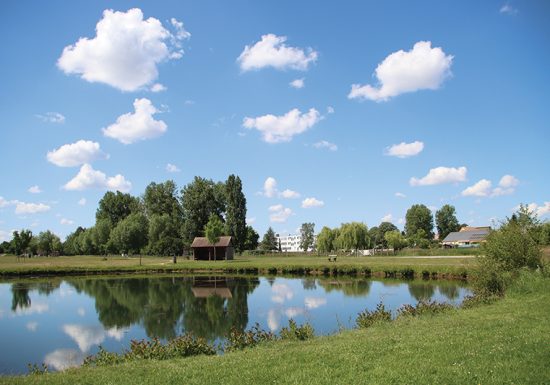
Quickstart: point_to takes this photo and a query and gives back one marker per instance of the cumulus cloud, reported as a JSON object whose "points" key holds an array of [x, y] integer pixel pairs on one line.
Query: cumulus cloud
{"points": [[34, 189], [157, 87], [273, 319], [281, 293], [312, 202], [271, 51], [440, 175], [330, 110], [65, 221], [400, 195], [277, 129], [32, 326], [30, 208], [139, 125], [250, 220], [88, 336], [540, 211], [289, 194], [82, 201], [507, 9], [76, 154], [61, 359], [423, 67], [279, 213], [387, 218], [314, 302], [270, 187], [125, 51], [297, 83], [88, 178], [480, 189], [293, 312], [325, 144], [172, 168], [51, 117], [404, 150], [506, 186]]}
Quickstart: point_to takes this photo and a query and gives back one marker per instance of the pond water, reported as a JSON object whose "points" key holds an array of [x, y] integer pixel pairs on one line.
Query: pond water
{"points": [[60, 321]]}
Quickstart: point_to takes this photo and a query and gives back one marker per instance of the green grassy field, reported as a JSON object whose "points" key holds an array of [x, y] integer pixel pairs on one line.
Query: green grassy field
{"points": [[276, 263], [507, 342]]}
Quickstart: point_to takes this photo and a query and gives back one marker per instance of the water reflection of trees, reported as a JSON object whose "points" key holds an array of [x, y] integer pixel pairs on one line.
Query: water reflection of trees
{"points": [[161, 304], [350, 287], [421, 291], [21, 292]]}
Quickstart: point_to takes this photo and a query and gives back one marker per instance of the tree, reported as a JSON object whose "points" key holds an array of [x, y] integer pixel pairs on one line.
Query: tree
{"points": [[21, 241], [130, 234], [164, 235], [251, 242], [213, 230], [269, 241], [48, 243], [70, 246], [100, 234], [116, 206], [419, 217], [160, 198], [445, 221], [326, 240], [235, 216], [308, 239], [384, 228], [200, 199], [353, 236], [374, 236], [395, 240]]}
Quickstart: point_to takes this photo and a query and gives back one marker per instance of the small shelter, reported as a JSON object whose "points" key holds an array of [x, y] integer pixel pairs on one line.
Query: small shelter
{"points": [[204, 250], [467, 237]]}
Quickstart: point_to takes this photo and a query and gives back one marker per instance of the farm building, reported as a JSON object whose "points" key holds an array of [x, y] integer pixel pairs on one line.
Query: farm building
{"points": [[204, 250], [467, 237]]}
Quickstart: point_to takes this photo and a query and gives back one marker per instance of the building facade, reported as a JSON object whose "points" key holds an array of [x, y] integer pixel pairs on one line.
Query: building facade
{"points": [[291, 243]]}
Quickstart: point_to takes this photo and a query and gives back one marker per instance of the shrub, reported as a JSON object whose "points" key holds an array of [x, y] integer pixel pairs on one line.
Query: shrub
{"points": [[237, 340], [423, 307], [294, 332], [367, 318], [490, 278]]}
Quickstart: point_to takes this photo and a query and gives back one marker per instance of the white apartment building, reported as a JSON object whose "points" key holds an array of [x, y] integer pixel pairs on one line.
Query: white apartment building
{"points": [[291, 243]]}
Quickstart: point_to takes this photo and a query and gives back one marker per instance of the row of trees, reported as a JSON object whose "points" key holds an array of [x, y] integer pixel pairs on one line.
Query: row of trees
{"points": [[24, 242]]}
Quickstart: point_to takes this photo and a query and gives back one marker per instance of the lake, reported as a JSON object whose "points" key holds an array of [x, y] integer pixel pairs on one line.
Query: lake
{"points": [[59, 321]]}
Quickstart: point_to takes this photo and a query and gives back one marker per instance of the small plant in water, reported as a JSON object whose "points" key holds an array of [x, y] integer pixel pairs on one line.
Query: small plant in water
{"points": [[367, 318], [295, 332]]}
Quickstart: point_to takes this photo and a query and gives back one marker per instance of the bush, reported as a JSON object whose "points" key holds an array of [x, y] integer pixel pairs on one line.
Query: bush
{"points": [[294, 332], [367, 318], [490, 278], [237, 340], [423, 307]]}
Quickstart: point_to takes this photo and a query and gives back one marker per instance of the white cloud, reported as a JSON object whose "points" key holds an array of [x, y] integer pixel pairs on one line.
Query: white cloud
{"points": [[61, 359], [272, 52], [34, 189], [30, 208], [387, 218], [250, 220], [125, 51], [312, 202], [404, 150], [139, 125], [289, 194], [157, 87], [279, 213], [441, 175], [32, 326], [400, 195], [540, 211], [314, 302], [189, 102], [273, 319], [277, 129], [35, 308], [52, 117], [326, 144], [297, 83], [172, 168], [81, 312], [480, 189], [5, 236], [281, 293], [507, 185], [65, 221], [4, 202], [292, 312], [270, 187], [330, 110], [508, 10], [423, 67], [82, 201], [88, 178], [76, 154], [401, 221]]}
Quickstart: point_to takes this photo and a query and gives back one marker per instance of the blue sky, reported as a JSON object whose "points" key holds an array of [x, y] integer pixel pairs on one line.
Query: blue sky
{"points": [[329, 112]]}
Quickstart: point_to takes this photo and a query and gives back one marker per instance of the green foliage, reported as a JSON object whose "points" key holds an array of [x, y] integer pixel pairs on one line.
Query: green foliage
{"points": [[490, 278], [295, 332], [252, 237], [368, 318], [269, 241], [164, 237], [445, 221], [383, 229], [235, 216], [238, 340], [395, 240], [419, 217], [130, 234], [307, 232], [21, 241], [116, 206], [353, 236], [326, 240], [35, 370], [213, 230], [48, 243], [422, 308], [160, 199]]}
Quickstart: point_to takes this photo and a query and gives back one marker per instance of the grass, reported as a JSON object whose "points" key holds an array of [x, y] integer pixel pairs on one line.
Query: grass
{"points": [[506, 342], [266, 264]]}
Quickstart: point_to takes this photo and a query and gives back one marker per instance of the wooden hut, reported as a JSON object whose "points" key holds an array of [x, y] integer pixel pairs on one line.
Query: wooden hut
{"points": [[204, 250]]}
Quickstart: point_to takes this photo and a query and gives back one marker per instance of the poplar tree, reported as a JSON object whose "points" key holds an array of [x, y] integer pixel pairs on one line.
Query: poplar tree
{"points": [[235, 215]]}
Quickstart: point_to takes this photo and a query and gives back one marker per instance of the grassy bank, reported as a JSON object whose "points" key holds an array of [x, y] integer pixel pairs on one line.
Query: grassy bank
{"points": [[504, 342], [448, 266]]}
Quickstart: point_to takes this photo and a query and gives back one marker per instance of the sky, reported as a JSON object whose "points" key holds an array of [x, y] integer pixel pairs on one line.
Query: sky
{"points": [[329, 112]]}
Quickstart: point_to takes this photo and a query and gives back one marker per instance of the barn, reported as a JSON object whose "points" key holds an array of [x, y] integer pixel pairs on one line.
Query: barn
{"points": [[204, 250]]}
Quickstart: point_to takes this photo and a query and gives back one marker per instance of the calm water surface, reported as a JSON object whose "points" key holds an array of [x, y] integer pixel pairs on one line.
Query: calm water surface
{"points": [[61, 321]]}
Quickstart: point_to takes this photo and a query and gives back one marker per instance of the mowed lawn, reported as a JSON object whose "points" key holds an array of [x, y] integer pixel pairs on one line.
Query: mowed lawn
{"points": [[507, 342], [83, 264]]}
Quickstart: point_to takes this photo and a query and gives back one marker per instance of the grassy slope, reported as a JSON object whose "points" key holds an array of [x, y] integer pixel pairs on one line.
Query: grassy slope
{"points": [[87, 264], [506, 342]]}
